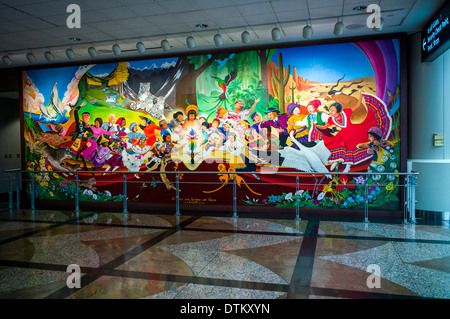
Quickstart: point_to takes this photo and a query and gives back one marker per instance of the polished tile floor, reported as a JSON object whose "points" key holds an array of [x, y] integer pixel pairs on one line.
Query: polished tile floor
{"points": [[164, 256]]}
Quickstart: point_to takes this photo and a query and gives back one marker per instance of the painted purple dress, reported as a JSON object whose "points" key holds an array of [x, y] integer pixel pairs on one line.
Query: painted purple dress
{"points": [[99, 158]]}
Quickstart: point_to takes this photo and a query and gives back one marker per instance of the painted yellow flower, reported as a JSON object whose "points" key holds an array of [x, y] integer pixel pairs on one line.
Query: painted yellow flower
{"points": [[51, 194], [390, 187], [328, 189], [55, 175]]}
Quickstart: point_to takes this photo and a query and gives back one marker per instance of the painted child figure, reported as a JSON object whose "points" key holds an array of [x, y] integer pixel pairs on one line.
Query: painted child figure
{"points": [[377, 147]]}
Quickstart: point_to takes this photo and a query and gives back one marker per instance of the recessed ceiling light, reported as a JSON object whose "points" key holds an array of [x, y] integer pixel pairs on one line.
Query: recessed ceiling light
{"points": [[75, 39], [359, 8], [201, 26]]}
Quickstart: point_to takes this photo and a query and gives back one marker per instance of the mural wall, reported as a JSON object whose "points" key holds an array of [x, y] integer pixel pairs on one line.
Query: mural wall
{"points": [[325, 108]]}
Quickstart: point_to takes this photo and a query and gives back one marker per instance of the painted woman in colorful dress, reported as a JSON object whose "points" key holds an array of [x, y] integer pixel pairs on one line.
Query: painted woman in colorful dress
{"points": [[300, 131], [343, 145], [100, 156]]}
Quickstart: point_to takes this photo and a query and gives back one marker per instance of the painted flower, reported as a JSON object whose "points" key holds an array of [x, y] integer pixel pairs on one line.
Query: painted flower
{"points": [[288, 197], [315, 202], [328, 189], [376, 178], [274, 199], [393, 157], [107, 193], [384, 159], [343, 179], [299, 192], [380, 168], [360, 180], [391, 177], [321, 196], [393, 165], [51, 194], [94, 196], [390, 187]]}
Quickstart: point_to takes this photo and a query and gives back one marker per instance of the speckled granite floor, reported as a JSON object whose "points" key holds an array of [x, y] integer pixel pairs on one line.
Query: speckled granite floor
{"points": [[164, 257]]}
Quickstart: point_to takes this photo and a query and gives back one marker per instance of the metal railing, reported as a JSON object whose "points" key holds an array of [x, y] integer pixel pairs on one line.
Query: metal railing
{"points": [[407, 181]]}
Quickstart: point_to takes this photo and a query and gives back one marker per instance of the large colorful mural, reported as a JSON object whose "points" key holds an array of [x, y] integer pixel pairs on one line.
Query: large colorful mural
{"points": [[313, 109]]}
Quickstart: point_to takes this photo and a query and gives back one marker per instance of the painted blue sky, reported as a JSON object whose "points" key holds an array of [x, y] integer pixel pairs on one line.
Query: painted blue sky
{"points": [[44, 79], [327, 63]]}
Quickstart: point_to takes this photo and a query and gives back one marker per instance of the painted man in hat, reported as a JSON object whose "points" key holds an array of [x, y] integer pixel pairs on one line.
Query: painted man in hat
{"points": [[313, 119], [277, 124], [81, 132]]}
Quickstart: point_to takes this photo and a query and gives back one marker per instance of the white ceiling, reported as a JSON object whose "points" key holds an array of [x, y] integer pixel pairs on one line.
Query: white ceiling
{"points": [[37, 26]]}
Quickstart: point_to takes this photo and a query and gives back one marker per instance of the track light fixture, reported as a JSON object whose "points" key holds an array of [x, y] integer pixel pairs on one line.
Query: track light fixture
{"points": [[140, 47], [7, 60], [92, 51], [307, 31], [165, 45], [218, 41], [245, 37], [70, 54], [338, 28], [31, 58], [190, 41], [49, 56], [116, 49], [276, 34], [381, 26]]}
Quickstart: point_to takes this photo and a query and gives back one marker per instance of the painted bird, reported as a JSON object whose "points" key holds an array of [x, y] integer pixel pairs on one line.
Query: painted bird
{"points": [[55, 101], [224, 83]]}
